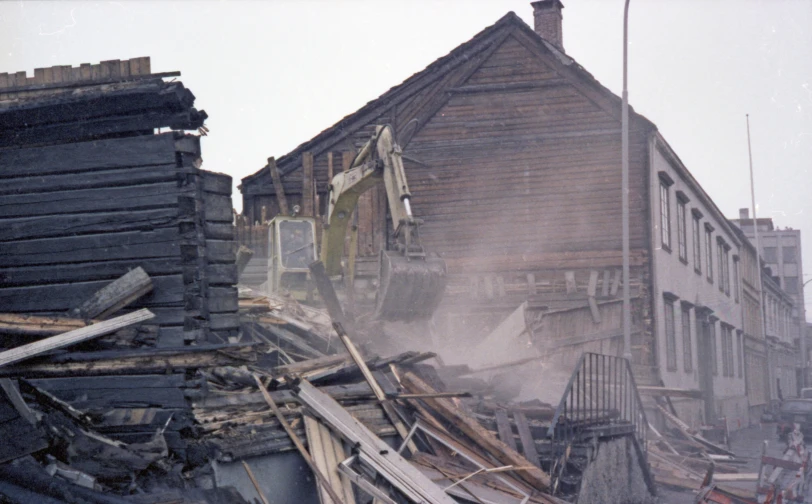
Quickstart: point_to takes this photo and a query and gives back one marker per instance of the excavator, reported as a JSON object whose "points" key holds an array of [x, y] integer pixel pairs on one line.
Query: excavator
{"points": [[410, 280]]}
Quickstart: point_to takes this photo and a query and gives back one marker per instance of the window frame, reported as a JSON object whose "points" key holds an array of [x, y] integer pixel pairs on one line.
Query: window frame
{"points": [[714, 347], [696, 232], [682, 228], [687, 343], [670, 333], [665, 216], [736, 278], [709, 252]]}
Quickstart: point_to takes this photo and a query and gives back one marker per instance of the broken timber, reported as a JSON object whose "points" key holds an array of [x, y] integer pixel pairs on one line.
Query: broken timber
{"points": [[371, 449], [116, 295], [72, 337]]}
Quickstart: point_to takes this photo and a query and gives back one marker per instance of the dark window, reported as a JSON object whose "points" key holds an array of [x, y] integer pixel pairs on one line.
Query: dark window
{"points": [[709, 252], [665, 216], [687, 351], [789, 254], [720, 265], [714, 353], [697, 236], [736, 277], [740, 341], [791, 284], [770, 255], [682, 236], [670, 337], [727, 351]]}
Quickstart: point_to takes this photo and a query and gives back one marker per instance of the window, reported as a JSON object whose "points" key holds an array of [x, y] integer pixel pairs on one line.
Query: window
{"points": [[712, 336], [727, 350], [740, 341], [791, 284], [670, 337], [709, 251], [736, 286], [789, 254], [682, 236], [725, 267], [697, 237], [687, 351], [770, 255], [665, 216]]}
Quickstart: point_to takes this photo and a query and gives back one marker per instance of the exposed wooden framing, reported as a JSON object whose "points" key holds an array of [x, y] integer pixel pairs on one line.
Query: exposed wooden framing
{"points": [[325, 483], [116, 295], [371, 449], [328, 452], [72, 337], [504, 429], [278, 187], [307, 185], [569, 279], [528, 443], [484, 438], [605, 283]]}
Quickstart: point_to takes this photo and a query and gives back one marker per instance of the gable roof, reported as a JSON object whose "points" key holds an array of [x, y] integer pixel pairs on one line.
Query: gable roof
{"points": [[485, 39]]}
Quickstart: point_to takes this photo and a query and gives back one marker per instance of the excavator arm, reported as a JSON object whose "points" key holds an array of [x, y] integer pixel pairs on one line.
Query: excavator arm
{"points": [[411, 282]]}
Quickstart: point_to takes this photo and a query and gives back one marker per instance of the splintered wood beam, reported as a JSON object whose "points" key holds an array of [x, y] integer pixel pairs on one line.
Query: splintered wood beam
{"points": [[23, 352], [325, 483], [116, 295], [479, 434], [278, 188], [34, 325]]}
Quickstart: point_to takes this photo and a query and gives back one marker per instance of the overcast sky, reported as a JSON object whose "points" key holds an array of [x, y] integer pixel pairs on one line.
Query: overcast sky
{"points": [[273, 74]]}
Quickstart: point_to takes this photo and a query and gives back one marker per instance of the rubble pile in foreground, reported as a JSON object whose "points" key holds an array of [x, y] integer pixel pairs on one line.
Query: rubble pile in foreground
{"points": [[113, 418]]}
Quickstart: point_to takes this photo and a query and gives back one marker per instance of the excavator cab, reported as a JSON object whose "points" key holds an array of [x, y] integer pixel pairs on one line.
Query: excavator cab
{"points": [[291, 249]]}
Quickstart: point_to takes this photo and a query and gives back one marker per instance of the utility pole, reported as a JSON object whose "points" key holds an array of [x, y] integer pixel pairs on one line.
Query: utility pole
{"points": [[758, 261], [627, 309]]}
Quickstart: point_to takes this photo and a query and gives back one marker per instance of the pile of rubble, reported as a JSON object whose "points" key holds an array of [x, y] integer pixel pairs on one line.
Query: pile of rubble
{"points": [[113, 419]]}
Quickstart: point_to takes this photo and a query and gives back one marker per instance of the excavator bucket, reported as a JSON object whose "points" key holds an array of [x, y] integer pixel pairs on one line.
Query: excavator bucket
{"points": [[409, 289]]}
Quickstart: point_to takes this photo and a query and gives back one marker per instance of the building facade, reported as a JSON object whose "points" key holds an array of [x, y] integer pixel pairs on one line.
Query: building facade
{"points": [[513, 155], [781, 253], [697, 291]]}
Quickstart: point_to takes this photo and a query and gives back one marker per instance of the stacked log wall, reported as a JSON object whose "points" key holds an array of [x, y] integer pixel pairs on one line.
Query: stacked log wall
{"points": [[76, 216]]}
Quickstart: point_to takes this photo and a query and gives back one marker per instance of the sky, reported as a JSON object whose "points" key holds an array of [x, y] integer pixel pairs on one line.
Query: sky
{"points": [[273, 74]]}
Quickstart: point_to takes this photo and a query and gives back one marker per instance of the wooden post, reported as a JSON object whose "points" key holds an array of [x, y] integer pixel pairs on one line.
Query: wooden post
{"points": [[307, 184], [278, 187], [329, 168]]}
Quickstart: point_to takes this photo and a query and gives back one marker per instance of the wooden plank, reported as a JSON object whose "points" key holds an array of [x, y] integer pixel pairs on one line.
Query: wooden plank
{"points": [[481, 436], [673, 392], [325, 483], [72, 337], [32, 325], [504, 429], [328, 452], [615, 283], [279, 189], [116, 295], [145, 150], [307, 185], [569, 279], [592, 288], [593, 310], [528, 443], [605, 283]]}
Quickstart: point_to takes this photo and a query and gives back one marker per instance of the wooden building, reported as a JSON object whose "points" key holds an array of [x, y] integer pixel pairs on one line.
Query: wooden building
{"points": [[513, 153]]}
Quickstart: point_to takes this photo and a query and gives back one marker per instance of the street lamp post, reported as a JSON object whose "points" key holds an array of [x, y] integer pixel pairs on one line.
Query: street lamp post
{"points": [[627, 314]]}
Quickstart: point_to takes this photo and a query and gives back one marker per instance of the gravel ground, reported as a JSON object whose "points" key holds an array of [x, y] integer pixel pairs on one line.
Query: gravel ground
{"points": [[746, 443]]}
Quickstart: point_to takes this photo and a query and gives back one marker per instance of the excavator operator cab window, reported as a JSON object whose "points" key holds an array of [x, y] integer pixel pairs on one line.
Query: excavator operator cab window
{"points": [[296, 243]]}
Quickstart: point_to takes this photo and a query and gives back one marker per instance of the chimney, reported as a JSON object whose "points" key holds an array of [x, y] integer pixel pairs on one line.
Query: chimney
{"points": [[547, 20], [744, 213]]}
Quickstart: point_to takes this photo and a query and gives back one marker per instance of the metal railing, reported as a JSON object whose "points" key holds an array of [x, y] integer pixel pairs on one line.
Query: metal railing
{"points": [[601, 395]]}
